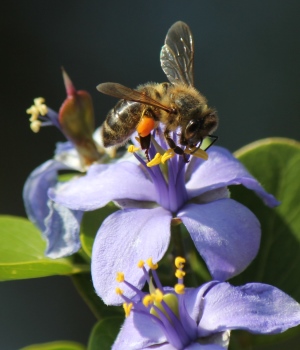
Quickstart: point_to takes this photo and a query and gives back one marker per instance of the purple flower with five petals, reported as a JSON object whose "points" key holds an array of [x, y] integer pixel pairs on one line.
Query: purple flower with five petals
{"points": [[201, 318], [226, 233]]}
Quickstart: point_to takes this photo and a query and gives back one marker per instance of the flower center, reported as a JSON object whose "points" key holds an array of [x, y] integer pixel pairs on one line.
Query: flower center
{"points": [[163, 306]]}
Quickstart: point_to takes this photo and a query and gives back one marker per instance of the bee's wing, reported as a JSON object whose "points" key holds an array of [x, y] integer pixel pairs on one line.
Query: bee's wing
{"points": [[123, 92], [177, 55]]}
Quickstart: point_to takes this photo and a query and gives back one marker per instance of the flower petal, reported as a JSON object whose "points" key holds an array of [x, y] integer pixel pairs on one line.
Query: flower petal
{"points": [[226, 234], [255, 307], [197, 346], [67, 154], [35, 191], [104, 183], [125, 238], [222, 169], [62, 231], [139, 332]]}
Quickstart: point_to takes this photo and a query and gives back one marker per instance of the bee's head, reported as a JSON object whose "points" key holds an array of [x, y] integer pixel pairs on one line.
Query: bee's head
{"points": [[199, 127]]}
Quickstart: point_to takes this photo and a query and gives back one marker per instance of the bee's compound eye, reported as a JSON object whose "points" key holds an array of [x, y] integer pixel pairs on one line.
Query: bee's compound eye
{"points": [[191, 128]]}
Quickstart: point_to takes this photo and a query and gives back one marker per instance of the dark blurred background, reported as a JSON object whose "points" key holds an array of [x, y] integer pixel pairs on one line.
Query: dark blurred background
{"points": [[246, 63]]}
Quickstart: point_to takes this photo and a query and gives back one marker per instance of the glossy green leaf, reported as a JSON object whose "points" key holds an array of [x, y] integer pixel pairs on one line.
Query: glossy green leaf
{"points": [[57, 345], [104, 333], [90, 224], [275, 163], [22, 252]]}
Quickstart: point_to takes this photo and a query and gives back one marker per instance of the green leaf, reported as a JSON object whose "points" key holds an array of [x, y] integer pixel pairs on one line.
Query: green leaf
{"points": [[90, 224], [275, 162], [22, 252], [84, 285], [104, 333], [57, 345]]}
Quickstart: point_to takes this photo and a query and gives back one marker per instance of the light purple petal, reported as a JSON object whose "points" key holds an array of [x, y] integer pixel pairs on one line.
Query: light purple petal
{"points": [[197, 346], [226, 234], [62, 231], [125, 238], [139, 332], [222, 169], [35, 191], [104, 183], [255, 307], [68, 155]]}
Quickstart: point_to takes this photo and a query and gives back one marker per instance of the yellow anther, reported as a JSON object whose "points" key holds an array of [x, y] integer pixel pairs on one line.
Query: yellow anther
{"points": [[34, 113], [141, 264], [199, 153], [39, 108], [167, 155], [151, 265], [179, 262], [148, 300], [132, 149], [155, 161], [127, 308], [179, 288], [38, 101], [119, 291], [120, 277], [179, 274], [158, 295], [35, 125]]}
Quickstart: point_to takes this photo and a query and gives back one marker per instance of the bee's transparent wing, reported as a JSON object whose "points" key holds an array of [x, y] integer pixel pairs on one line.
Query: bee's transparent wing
{"points": [[177, 55], [123, 92]]}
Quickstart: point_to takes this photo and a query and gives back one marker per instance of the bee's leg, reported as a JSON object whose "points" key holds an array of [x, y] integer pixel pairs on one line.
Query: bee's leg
{"points": [[145, 144], [215, 138], [175, 148]]}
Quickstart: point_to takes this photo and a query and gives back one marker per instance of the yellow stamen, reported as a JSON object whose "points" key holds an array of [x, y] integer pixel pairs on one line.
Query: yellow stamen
{"points": [[38, 106], [120, 277], [179, 274], [38, 101], [167, 155], [132, 149], [141, 264], [127, 308], [179, 288], [158, 295], [179, 262], [151, 265], [34, 113], [35, 125], [155, 161], [119, 291], [148, 300], [37, 109], [199, 153]]}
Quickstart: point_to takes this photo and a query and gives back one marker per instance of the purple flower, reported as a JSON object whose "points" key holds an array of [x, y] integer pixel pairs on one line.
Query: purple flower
{"points": [[226, 234], [60, 226], [201, 318]]}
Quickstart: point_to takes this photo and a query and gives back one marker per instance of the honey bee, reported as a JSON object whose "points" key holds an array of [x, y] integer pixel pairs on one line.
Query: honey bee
{"points": [[177, 104]]}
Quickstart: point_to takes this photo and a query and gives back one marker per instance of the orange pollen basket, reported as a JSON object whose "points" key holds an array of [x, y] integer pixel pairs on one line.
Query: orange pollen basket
{"points": [[145, 126]]}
